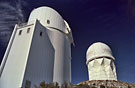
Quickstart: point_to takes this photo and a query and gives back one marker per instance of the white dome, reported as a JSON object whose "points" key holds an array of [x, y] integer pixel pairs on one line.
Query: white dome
{"points": [[48, 17], [97, 50]]}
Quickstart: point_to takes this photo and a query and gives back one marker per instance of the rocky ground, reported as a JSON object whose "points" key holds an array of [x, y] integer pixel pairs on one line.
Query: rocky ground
{"points": [[107, 83]]}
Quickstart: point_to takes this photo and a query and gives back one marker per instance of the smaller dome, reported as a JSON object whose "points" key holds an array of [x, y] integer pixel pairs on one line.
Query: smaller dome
{"points": [[97, 50]]}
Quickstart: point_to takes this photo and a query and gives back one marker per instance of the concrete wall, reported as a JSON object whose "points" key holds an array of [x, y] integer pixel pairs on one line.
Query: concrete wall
{"points": [[102, 69], [57, 32], [31, 57], [13, 72], [40, 63], [62, 62]]}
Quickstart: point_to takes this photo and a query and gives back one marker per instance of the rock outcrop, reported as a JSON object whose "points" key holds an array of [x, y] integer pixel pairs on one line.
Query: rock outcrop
{"points": [[107, 84]]}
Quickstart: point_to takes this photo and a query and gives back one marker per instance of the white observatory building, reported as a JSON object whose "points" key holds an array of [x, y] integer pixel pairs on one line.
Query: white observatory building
{"points": [[39, 50], [100, 62]]}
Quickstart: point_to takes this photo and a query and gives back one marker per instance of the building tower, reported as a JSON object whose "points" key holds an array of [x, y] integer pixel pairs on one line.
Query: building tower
{"points": [[39, 50], [100, 62]]}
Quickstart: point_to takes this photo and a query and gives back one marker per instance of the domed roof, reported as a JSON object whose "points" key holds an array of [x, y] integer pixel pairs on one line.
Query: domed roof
{"points": [[98, 49], [48, 17]]}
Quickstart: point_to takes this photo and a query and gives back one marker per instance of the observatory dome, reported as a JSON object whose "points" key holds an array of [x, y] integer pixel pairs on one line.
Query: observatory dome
{"points": [[97, 50], [48, 17]]}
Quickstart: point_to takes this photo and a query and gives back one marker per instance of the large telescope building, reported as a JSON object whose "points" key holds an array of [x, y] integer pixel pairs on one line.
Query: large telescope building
{"points": [[100, 62], [38, 51]]}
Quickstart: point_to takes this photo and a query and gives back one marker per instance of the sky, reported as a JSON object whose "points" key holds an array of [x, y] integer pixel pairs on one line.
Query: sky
{"points": [[108, 21]]}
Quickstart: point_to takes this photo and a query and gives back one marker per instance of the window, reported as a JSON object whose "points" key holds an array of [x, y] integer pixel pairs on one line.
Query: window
{"points": [[41, 33], [28, 84], [20, 32], [48, 21], [28, 30]]}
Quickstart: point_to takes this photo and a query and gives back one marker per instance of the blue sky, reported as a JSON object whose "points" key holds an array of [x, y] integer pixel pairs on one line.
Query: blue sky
{"points": [[108, 21]]}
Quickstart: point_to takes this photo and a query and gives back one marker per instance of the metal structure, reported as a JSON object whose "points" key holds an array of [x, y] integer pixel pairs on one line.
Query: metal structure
{"points": [[100, 62], [38, 51]]}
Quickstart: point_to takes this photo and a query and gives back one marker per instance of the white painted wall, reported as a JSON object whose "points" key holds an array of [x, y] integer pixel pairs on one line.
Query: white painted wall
{"points": [[7, 50], [40, 64], [102, 69], [61, 38], [31, 57], [13, 72]]}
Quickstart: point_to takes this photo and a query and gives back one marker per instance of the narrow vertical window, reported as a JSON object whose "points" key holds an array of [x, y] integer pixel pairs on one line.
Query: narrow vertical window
{"points": [[28, 30], [41, 33], [48, 21], [20, 32]]}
